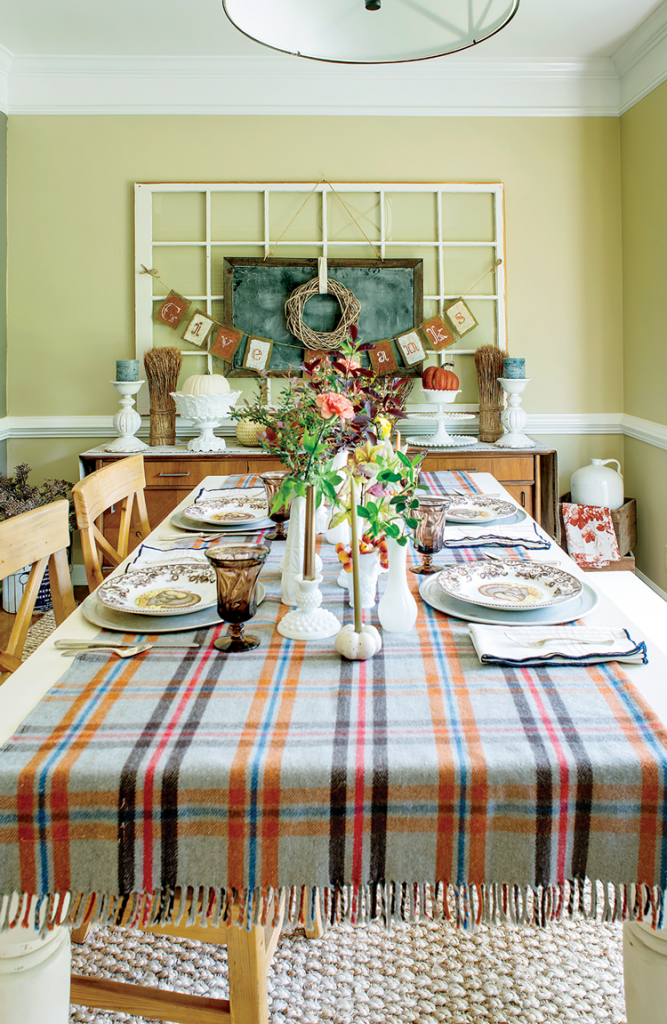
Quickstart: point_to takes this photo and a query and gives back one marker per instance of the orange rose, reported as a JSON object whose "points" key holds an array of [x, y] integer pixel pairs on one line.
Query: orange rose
{"points": [[330, 404]]}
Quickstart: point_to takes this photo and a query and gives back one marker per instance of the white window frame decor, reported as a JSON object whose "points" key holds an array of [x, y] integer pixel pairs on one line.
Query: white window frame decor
{"points": [[147, 249]]}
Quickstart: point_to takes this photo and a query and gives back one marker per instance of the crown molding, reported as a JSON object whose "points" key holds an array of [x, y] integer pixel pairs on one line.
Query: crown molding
{"points": [[278, 84], [6, 59], [641, 62]]}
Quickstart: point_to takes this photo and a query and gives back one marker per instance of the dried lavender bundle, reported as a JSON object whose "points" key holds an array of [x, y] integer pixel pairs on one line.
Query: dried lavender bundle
{"points": [[489, 366], [162, 366]]}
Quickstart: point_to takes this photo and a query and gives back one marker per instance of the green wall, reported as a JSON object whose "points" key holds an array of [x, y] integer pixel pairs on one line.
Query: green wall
{"points": [[3, 281], [644, 211]]}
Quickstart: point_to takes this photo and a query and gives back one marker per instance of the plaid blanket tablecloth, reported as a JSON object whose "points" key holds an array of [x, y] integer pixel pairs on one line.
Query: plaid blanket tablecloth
{"points": [[416, 782]]}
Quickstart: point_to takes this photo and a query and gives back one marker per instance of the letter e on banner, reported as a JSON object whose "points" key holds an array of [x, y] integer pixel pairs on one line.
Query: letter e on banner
{"points": [[257, 353]]}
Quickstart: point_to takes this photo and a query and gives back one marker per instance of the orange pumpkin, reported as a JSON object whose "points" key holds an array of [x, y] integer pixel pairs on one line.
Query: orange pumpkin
{"points": [[427, 377]]}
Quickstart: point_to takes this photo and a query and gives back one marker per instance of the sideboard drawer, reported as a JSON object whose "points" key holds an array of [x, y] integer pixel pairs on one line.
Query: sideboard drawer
{"points": [[188, 472]]}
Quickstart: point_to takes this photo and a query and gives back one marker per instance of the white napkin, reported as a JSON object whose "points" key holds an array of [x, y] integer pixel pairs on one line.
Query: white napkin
{"points": [[566, 645], [495, 536], [145, 555]]}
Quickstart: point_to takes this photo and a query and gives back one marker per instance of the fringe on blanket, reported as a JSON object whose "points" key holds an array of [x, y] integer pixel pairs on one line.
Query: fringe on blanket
{"points": [[464, 906]]}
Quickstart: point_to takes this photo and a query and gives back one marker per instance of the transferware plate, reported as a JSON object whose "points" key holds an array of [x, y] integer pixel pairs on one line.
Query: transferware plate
{"points": [[129, 622], [568, 611], [476, 508], [509, 584], [239, 507], [178, 589]]}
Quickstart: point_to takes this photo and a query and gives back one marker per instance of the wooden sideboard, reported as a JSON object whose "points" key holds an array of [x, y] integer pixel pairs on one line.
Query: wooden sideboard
{"points": [[531, 476]]}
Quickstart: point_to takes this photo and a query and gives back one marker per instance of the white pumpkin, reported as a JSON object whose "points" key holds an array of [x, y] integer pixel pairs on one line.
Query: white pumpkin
{"points": [[358, 646], [206, 384]]}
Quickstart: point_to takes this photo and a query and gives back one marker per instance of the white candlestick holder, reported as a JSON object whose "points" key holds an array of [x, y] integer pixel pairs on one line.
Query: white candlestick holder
{"points": [[127, 421], [514, 418], [308, 621]]}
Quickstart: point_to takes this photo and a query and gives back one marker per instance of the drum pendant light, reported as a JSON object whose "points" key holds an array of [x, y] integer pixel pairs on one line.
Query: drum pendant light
{"points": [[369, 31]]}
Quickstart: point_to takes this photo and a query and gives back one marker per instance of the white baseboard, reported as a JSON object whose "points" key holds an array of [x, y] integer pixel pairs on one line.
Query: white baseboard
{"points": [[649, 583]]}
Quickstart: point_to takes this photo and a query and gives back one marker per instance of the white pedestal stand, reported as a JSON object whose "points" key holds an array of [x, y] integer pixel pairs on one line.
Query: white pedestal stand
{"points": [[308, 621], [514, 418], [34, 976], [127, 421], [441, 439], [206, 413]]}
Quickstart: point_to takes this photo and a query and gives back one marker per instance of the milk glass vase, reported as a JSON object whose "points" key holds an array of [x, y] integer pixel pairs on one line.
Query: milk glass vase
{"points": [[397, 610], [291, 564]]}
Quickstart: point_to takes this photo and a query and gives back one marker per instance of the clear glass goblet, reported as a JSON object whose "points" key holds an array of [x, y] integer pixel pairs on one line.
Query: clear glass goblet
{"points": [[272, 482], [237, 568], [429, 535]]}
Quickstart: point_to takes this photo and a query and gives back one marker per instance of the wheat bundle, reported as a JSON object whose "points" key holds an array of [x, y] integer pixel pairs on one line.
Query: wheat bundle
{"points": [[162, 366], [489, 365]]}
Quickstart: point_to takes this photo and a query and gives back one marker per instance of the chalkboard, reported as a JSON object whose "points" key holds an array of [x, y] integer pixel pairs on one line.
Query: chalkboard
{"points": [[390, 293]]}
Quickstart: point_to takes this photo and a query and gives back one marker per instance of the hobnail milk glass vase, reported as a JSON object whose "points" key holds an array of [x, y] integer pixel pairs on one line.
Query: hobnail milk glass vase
{"points": [[369, 570], [397, 610]]}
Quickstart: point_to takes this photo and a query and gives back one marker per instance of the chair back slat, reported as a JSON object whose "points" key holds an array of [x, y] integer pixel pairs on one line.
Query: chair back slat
{"points": [[37, 538], [121, 483]]}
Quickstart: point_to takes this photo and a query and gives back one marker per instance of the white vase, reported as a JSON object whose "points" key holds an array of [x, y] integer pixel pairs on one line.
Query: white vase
{"points": [[291, 562], [369, 570], [338, 534], [397, 610]]}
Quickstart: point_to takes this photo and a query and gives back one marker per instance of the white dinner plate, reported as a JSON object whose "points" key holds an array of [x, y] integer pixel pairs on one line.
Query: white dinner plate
{"points": [[509, 583], [239, 507], [570, 610], [178, 520], [479, 508], [176, 589], [129, 622]]}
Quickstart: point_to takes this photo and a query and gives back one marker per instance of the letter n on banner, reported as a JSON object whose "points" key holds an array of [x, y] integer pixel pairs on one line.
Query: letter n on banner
{"points": [[382, 357], [225, 343]]}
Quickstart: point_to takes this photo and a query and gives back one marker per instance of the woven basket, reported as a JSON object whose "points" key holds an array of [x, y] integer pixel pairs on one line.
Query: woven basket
{"points": [[246, 433]]}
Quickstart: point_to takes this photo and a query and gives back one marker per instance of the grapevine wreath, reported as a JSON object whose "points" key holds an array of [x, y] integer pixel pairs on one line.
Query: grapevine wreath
{"points": [[349, 307]]}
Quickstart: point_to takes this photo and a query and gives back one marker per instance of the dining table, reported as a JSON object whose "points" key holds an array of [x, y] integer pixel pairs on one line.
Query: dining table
{"points": [[188, 786]]}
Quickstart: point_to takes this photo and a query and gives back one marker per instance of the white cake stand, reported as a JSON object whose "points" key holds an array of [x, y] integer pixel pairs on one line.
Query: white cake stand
{"points": [[206, 413], [441, 439]]}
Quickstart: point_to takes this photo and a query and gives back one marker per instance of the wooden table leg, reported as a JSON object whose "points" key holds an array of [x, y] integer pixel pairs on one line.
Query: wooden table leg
{"points": [[246, 954]]}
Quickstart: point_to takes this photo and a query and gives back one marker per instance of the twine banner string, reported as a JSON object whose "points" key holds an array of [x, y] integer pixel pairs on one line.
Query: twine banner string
{"points": [[485, 274], [270, 253], [353, 218]]}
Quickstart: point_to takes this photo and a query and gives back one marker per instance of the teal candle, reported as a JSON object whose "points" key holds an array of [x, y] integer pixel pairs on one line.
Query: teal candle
{"points": [[514, 368], [127, 369]]}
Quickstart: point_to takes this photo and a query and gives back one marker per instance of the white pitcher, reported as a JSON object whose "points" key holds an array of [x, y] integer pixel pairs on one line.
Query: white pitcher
{"points": [[597, 485]]}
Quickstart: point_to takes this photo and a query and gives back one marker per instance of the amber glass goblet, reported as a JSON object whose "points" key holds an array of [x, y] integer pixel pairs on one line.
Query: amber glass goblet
{"points": [[272, 482], [429, 535], [237, 568]]}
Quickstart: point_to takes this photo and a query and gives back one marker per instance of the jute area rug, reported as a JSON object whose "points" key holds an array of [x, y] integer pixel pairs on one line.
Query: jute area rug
{"points": [[426, 973]]}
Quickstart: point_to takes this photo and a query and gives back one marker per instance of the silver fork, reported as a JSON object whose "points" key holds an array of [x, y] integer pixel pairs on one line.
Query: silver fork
{"points": [[122, 652]]}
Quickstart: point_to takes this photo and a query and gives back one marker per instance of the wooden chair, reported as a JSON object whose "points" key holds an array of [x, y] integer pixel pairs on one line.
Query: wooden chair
{"points": [[121, 483], [37, 538], [249, 955]]}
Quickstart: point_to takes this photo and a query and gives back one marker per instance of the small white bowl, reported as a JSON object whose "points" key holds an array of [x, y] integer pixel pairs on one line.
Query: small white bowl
{"points": [[446, 397]]}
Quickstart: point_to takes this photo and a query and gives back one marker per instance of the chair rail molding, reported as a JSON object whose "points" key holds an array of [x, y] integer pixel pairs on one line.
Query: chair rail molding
{"points": [[538, 423], [280, 84]]}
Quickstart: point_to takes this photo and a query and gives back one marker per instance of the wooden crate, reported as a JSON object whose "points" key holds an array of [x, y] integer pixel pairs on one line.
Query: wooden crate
{"points": [[624, 520]]}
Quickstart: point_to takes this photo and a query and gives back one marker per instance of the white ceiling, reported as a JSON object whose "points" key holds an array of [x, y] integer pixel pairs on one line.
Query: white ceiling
{"points": [[556, 58], [542, 31]]}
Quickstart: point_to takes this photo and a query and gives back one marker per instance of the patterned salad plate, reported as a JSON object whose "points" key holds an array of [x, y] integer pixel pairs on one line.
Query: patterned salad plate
{"points": [[479, 509], [509, 584], [240, 507], [161, 590]]}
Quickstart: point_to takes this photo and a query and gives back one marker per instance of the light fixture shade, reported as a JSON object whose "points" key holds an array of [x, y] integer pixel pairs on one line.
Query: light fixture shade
{"points": [[345, 32]]}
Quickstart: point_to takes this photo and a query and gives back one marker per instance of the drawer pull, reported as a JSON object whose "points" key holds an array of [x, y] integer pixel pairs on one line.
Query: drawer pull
{"points": [[174, 474], [523, 498]]}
